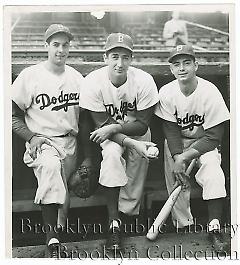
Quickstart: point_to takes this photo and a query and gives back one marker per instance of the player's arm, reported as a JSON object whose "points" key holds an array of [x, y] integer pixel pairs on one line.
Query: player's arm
{"points": [[172, 133], [102, 120], [86, 125], [18, 124], [210, 140], [20, 128], [107, 128], [135, 128], [140, 126]]}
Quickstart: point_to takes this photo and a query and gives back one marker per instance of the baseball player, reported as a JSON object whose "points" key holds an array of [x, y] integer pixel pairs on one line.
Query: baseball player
{"points": [[175, 31], [193, 113], [121, 99], [47, 94]]}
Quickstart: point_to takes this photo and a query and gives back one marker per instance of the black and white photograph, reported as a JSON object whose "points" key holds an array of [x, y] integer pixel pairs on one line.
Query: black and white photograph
{"points": [[121, 132]]}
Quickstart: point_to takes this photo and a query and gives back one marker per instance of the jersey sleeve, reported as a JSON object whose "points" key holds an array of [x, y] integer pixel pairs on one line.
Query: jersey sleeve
{"points": [[148, 95], [90, 96], [165, 108], [21, 90], [216, 110]]}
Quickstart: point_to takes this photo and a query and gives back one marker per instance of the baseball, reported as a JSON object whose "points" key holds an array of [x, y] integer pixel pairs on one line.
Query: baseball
{"points": [[153, 151]]}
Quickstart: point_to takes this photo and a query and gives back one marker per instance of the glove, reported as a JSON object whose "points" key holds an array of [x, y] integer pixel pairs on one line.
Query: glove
{"points": [[84, 181]]}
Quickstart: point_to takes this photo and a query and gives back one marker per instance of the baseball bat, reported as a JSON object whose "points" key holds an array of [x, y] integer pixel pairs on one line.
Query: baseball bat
{"points": [[167, 207]]}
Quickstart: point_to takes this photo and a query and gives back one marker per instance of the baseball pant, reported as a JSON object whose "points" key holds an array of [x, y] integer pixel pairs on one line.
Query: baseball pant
{"points": [[52, 168], [124, 167], [209, 176]]}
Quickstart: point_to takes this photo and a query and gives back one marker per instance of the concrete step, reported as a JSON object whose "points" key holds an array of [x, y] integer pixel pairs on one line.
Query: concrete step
{"points": [[179, 246]]}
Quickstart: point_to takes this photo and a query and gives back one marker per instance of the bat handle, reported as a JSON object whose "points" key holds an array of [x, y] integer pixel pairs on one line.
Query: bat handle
{"points": [[188, 171], [190, 167]]}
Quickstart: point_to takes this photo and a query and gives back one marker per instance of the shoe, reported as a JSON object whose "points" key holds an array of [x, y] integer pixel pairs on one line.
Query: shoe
{"points": [[128, 219], [53, 251], [216, 239], [114, 239]]}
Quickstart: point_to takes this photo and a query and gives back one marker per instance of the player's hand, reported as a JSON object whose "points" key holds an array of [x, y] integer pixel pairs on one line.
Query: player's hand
{"points": [[141, 147], [179, 165], [102, 134], [36, 143], [179, 169], [183, 180]]}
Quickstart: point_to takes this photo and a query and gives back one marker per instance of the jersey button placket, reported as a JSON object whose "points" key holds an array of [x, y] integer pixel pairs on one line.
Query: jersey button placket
{"points": [[119, 93], [60, 87]]}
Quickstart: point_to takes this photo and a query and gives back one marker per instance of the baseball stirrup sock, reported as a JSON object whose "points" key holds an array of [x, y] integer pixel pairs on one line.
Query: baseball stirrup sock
{"points": [[50, 215], [215, 207]]}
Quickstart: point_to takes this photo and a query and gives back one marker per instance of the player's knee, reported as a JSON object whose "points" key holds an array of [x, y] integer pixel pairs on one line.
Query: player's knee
{"points": [[211, 158], [52, 164], [114, 152], [214, 177], [212, 164]]}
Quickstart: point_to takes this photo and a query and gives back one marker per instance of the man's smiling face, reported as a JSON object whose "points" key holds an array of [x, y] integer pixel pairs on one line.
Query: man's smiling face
{"points": [[58, 48], [118, 60], [183, 67]]}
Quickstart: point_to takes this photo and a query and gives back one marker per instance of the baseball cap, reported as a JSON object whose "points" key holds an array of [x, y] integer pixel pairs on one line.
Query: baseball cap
{"points": [[119, 40], [181, 49], [56, 28]]}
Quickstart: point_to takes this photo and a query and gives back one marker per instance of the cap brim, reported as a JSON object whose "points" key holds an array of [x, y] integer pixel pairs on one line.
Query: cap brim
{"points": [[118, 46], [175, 55], [70, 36]]}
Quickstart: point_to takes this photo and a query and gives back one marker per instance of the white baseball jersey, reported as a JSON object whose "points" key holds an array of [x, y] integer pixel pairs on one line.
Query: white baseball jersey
{"points": [[203, 109], [173, 26], [50, 102], [139, 92]]}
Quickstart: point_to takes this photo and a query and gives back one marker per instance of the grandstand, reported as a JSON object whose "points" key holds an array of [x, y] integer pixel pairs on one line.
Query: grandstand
{"points": [[209, 35], [211, 44], [90, 34]]}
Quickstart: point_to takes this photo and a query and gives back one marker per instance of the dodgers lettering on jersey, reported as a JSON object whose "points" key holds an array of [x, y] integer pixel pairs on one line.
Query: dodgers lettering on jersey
{"points": [[189, 121], [203, 109], [63, 101], [119, 113]]}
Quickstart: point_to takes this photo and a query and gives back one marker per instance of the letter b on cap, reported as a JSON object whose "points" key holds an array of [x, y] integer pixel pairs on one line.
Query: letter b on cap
{"points": [[120, 38], [179, 48]]}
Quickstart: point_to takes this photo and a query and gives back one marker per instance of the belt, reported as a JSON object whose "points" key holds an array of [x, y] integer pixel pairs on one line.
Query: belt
{"points": [[64, 135]]}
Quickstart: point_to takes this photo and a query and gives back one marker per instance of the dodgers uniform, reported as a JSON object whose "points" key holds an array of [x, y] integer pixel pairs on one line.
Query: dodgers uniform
{"points": [[121, 167], [203, 109], [51, 107]]}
